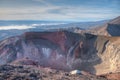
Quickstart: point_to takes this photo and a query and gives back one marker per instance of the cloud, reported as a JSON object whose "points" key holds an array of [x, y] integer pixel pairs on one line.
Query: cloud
{"points": [[51, 10], [21, 27], [56, 13]]}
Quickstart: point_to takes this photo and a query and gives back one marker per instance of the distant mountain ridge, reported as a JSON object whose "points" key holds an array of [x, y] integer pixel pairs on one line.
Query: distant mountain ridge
{"points": [[42, 26], [115, 21], [111, 28]]}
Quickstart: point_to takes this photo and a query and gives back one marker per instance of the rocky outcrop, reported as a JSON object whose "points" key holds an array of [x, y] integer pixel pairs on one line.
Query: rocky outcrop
{"points": [[63, 50], [20, 72], [110, 56], [107, 29]]}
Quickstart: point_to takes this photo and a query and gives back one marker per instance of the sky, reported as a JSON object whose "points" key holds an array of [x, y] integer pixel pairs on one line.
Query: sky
{"points": [[59, 10]]}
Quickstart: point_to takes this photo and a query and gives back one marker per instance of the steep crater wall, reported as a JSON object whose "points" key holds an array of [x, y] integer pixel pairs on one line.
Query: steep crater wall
{"points": [[63, 50]]}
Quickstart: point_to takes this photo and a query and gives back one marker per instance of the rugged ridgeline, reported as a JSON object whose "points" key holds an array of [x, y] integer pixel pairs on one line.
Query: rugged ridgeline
{"points": [[111, 28], [63, 50]]}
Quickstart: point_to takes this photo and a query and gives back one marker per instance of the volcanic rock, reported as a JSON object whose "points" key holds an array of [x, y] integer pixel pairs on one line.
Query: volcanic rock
{"points": [[63, 50], [39, 73]]}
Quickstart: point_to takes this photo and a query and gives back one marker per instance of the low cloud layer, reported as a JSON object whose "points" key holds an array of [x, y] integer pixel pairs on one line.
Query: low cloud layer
{"points": [[21, 27]]}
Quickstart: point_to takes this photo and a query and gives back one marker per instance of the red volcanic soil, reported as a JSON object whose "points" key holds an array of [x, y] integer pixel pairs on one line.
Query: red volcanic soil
{"points": [[111, 76], [56, 37]]}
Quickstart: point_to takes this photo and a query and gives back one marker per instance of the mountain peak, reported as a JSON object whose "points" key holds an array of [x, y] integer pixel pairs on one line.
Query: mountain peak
{"points": [[115, 21]]}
